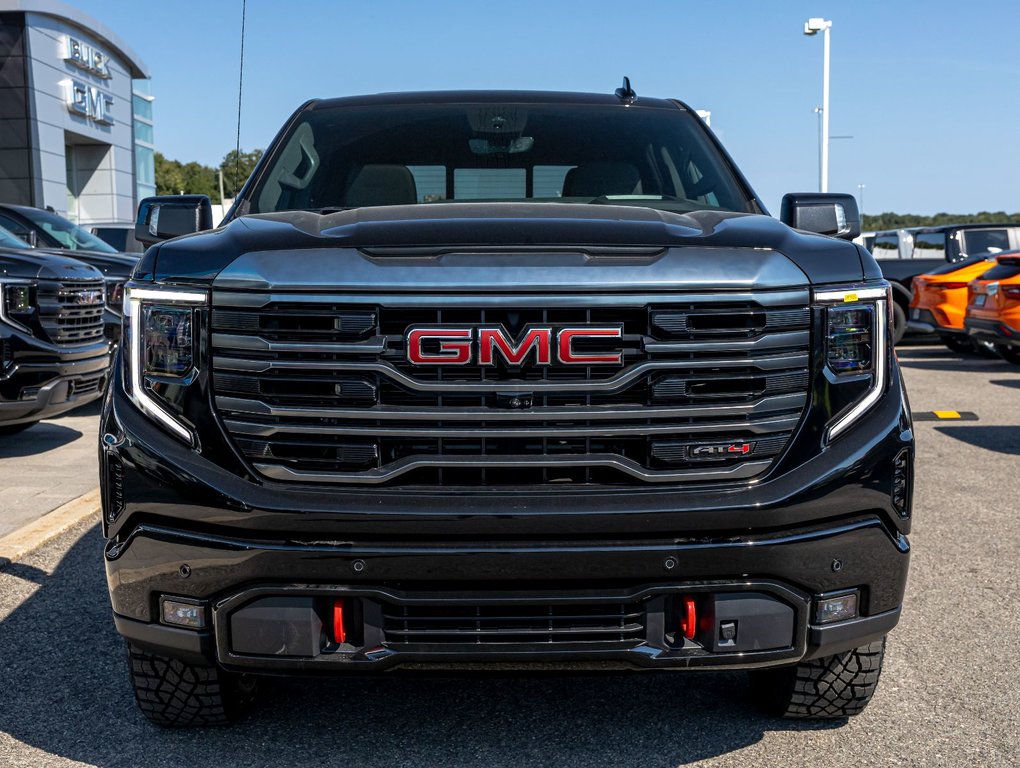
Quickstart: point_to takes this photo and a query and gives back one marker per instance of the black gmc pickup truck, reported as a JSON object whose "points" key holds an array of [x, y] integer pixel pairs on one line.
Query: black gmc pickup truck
{"points": [[504, 378], [53, 356]]}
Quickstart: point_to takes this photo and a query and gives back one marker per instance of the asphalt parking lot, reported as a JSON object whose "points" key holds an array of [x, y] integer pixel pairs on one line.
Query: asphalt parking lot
{"points": [[950, 693]]}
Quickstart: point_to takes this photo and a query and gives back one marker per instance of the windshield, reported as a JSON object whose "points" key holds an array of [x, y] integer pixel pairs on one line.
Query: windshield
{"points": [[10, 240], [66, 234], [930, 245], [348, 157]]}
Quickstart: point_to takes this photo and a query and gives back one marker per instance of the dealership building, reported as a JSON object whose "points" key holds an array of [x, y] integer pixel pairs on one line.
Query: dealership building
{"points": [[75, 114]]}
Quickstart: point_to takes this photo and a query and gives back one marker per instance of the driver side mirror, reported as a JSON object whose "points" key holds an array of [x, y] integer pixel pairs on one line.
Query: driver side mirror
{"points": [[822, 213], [169, 216]]}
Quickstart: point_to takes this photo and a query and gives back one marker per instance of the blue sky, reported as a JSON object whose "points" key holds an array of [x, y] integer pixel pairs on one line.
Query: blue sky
{"points": [[929, 90]]}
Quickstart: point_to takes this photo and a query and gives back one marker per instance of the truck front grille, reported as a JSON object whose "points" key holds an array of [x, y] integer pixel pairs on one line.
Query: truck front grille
{"points": [[71, 311], [622, 623], [318, 389]]}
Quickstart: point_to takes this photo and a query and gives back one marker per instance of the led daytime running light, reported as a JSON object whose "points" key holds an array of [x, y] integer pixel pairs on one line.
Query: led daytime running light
{"points": [[133, 298]]}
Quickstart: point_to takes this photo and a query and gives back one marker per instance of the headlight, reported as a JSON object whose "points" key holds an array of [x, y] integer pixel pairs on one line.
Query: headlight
{"points": [[160, 361], [851, 334], [856, 347], [16, 303], [115, 294], [17, 299]]}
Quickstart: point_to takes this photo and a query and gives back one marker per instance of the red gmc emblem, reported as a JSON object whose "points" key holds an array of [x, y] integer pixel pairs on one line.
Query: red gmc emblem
{"points": [[435, 345]]}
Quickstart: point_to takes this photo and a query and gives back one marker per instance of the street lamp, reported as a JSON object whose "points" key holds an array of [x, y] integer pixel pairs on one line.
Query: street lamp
{"points": [[812, 27], [860, 190]]}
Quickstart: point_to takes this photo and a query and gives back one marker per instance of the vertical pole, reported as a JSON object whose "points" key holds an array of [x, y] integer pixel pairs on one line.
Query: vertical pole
{"points": [[818, 111], [825, 112], [221, 186]]}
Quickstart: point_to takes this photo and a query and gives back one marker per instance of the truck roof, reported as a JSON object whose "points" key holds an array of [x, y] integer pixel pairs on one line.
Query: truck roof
{"points": [[494, 97]]}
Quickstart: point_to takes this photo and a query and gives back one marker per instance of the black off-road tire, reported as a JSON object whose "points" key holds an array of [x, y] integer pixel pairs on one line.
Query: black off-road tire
{"points": [[829, 688], [177, 694], [1009, 354], [899, 323]]}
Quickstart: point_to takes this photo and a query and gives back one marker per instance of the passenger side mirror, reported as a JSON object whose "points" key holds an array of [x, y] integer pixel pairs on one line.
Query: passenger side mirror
{"points": [[162, 218], [822, 213]]}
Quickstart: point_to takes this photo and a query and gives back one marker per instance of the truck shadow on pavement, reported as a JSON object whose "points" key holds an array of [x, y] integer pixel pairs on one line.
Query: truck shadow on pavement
{"points": [[999, 439], [65, 691], [38, 438], [939, 359]]}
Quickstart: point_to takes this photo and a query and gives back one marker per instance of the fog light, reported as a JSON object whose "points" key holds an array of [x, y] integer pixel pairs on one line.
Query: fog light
{"points": [[183, 613], [836, 608]]}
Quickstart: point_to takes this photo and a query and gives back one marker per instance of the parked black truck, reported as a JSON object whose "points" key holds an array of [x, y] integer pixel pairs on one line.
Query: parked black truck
{"points": [[504, 378], [52, 233], [53, 356]]}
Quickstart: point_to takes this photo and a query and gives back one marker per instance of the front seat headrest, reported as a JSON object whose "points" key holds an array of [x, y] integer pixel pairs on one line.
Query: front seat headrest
{"points": [[381, 185], [599, 179]]}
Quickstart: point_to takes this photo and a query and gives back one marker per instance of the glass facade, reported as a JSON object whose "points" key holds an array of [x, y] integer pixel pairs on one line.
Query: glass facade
{"points": [[145, 152]]}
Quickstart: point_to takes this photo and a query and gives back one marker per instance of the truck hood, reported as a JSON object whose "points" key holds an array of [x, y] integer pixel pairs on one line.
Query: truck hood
{"points": [[110, 264], [447, 233], [32, 264]]}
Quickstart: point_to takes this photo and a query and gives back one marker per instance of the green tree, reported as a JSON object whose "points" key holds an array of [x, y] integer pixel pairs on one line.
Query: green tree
{"points": [[169, 178], [891, 220], [174, 178], [237, 168]]}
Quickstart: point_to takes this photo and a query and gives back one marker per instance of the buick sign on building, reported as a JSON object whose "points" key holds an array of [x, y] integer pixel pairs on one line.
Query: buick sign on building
{"points": [[75, 114]]}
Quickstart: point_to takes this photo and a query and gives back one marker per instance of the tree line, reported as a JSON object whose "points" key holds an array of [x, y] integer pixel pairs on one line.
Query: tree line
{"points": [[904, 220], [175, 178]]}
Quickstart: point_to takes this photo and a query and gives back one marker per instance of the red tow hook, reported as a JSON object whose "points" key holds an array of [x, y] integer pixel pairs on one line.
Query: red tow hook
{"points": [[339, 628], [688, 617]]}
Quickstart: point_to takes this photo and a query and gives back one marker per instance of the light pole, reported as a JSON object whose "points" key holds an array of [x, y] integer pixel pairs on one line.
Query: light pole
{"points": [[860, 190], [812, 27]]}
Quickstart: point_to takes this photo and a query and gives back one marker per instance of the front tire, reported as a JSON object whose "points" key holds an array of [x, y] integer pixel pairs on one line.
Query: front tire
{"points": [[174, 693], [899, 323], [829, 688], [1009, 354]]}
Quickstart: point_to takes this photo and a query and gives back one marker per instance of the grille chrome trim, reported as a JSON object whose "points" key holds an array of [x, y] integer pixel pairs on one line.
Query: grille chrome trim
{"points": [[374, 346], [612, 384], [765, 426], [403, 466], [769, 404], [771, 341]]}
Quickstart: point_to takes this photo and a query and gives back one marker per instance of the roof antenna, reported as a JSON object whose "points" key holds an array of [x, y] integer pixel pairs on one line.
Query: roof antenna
{"points": [[240, 84], [626, 94]]}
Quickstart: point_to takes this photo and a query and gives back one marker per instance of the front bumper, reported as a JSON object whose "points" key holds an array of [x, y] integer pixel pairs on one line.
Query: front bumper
{"points": [[994, 331], [924, 321], [44, 380], [239, 573]]}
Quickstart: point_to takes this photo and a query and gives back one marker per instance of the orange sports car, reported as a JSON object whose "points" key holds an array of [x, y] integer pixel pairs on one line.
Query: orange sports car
{"points": [[993, 307], [939, 301]]}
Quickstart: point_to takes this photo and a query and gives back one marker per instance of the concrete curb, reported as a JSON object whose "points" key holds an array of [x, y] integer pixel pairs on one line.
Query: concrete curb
{"points": [[14, 546]]}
